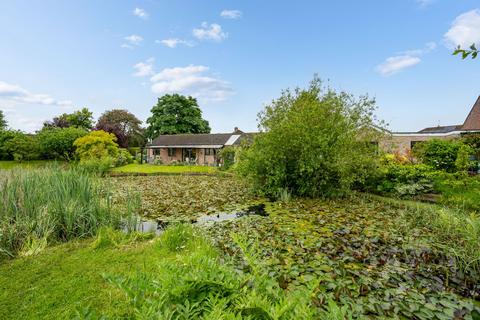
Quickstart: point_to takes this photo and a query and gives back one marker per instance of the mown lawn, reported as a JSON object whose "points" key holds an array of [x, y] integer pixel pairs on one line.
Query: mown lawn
{"points": [[68, 278], [159, 169], [24, 164]]}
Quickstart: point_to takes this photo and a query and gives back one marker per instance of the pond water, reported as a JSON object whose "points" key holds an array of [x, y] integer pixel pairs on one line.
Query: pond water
{"points": [[157, 226]]}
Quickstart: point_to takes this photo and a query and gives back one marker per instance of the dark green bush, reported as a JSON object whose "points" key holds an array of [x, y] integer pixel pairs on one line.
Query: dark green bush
{"points": [[404, 180], [439, 154], [57, 143]]}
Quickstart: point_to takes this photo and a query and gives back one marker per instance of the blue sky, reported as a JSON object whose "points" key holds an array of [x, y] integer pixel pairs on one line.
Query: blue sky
{"points": [[236, 56]]}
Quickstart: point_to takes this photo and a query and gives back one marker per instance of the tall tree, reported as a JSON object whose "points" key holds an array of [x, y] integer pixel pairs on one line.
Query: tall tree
{"points": [[81, 119], [3, 121], [176, 114], [124, 125]]}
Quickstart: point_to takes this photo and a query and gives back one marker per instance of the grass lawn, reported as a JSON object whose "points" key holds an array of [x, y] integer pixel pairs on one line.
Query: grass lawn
{"points": [[159, 169], [24, 164], [67, 278]]}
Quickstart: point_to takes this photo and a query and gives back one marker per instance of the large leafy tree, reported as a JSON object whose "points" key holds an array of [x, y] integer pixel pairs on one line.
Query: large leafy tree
{"points": [[314, 142], [81, 119], [174, 114], [124, 125], [3, 121]]}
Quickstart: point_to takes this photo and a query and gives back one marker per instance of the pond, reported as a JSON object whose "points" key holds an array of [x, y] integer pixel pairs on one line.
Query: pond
{"points": [[157, 226]]}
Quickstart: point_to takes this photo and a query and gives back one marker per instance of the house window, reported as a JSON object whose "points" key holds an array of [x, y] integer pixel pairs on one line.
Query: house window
{"points": [[171, 152], [209, 152], [156, 152]]}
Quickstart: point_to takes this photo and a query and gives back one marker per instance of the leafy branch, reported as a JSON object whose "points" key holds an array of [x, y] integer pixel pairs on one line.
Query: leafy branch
{"points": [[472, 51]]}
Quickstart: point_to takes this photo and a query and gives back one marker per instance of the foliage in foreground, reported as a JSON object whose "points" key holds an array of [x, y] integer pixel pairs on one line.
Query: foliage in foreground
{"points": [[192, 282], [315, 142], [44, 206], [377, 259]]}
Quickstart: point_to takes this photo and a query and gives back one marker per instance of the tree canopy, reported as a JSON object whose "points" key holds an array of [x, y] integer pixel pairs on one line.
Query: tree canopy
{"points": [[3, 121], [124, 125], [174, 114], [313, 142], [81, 119]]}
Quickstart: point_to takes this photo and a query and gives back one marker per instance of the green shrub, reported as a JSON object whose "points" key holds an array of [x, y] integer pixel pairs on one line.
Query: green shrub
{"points": [[50, 205], [124, 157], [159, 162], [403, 180], [96, 145], [439, 154], [57, 143], [97, 166], [20, 146], [314, 143], [227, 156], [463, 161]]}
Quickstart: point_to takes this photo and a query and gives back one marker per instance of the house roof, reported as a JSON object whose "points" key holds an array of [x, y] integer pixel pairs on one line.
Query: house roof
{"points": [[441, 129], [214, 140], [472, 122]]}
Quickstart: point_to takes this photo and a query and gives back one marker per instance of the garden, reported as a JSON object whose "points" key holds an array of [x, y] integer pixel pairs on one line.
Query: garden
{"points": [[344, 232]]}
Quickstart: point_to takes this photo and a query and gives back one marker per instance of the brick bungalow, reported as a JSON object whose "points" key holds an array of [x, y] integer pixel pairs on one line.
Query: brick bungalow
{"points": [[200, 149], [403, 142]]}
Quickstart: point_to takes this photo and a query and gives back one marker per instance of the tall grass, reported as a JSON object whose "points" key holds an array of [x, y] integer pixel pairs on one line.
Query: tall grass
{"points": [[455, 230], [38, 207], [194, 281]]}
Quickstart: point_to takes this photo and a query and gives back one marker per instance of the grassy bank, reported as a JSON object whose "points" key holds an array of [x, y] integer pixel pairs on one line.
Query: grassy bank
{"points": [[25, 164], [161, 169], [68, 277], [180, 275]]}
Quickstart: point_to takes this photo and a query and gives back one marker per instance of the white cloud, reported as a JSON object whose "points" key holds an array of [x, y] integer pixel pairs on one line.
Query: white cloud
{"points": [[429, 46], [395, 64], [191, 80], [15, 93], [465, 30], [403, 60], [174, 42], [142, 14], [231, 14], [143, 69], [132, 40], [210, 32]]}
